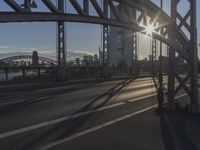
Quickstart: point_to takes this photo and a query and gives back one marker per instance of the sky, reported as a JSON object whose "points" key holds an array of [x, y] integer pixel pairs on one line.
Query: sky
{"points": [[21, 38]]}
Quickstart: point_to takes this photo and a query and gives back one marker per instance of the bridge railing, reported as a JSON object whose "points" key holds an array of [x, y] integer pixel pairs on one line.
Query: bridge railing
{"points": [[22, 73], [72, 72]]}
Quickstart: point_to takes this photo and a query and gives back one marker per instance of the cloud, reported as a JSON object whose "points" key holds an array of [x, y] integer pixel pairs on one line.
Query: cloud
{"points": [[4, 47], [84, 52], [73, 54]]}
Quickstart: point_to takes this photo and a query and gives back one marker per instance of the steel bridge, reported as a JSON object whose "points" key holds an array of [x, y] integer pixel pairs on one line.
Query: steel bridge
{"points": [[13, 59], [135, 15]]}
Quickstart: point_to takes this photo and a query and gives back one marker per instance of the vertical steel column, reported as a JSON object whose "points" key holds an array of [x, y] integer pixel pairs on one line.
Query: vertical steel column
{"points": [[27, 5], [105, 38], [135, 54], [61, 45], [160, 79], [171, 70], [105, 48], [134, 49], [194, 55], [153, 56], [86, 6]]}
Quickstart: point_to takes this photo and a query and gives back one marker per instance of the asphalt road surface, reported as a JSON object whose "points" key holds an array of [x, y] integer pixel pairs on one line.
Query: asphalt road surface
{"points": [[78, 117]]}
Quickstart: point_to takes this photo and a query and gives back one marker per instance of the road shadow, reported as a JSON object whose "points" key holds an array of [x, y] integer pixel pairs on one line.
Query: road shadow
{"points": [[175, 130], [18, 105], [71, 126]]}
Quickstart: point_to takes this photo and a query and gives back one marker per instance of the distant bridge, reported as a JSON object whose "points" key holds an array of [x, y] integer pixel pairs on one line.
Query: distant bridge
{"points": [[44, 60]]}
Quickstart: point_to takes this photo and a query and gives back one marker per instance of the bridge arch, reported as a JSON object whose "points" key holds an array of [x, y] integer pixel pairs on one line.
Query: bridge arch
{"points": [[40, 58]]}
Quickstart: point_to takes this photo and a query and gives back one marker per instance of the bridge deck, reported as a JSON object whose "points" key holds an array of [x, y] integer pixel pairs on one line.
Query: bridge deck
{"points": [[107, 115]]}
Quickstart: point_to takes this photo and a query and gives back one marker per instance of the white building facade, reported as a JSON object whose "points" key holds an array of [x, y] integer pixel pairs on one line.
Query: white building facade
{"points": [[120, 46]]}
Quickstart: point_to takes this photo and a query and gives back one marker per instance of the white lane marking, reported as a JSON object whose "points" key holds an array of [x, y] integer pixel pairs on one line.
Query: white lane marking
{"points": [[45, 97], [48, 123], [58, 142], [89, 91], [77, 135], [177, 97], [143, 97], [61, 95], [44, 124]]}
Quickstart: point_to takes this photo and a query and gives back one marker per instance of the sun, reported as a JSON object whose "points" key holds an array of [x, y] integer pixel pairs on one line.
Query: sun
{"points": [[149, 29]]}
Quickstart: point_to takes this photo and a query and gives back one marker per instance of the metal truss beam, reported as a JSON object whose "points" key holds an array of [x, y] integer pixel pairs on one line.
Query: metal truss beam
{"points": [[195, 102], [153, 57], [171, 70], [57, 15], [61, 45], [135, 54], [134, 69], [188, 48], [105, 50], [144, 6]]}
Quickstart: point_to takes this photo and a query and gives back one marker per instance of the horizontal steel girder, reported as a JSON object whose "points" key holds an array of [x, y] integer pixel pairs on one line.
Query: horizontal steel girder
{"points": [[145, 6]]}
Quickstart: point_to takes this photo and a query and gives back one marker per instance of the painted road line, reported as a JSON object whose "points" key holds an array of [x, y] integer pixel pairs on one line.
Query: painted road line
{"points": [[55, 121], [52, 122], [77, 135], [143, 97], [24, 101]]}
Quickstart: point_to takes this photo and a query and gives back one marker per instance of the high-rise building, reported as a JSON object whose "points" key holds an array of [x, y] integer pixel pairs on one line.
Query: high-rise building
{"points": [[100, 56], [96, 58], [35, 59], [120, 45], [78, 61]]}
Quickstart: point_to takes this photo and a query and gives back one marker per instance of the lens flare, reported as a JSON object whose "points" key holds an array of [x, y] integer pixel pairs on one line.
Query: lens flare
{"points": [[149, 29]]}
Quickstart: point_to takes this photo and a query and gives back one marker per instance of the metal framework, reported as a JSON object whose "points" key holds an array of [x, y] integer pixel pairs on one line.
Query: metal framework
{"points": [[29, 57], [135, 53], [188, 47], [134, 46], [105, 49], [184, 46], [153, 57], [105, 34], [61, 44]]}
